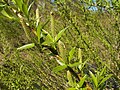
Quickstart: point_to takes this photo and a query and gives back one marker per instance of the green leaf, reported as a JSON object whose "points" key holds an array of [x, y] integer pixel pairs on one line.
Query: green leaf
{"points": [[29, 7], [58, 36], [103, 70], [45, 32], [19, 3], [61, 62], [82, 81], [39, 28], [74, 64], [2, 6], [49, 40], [94, 79], [81, 66], [71, 89], [71, 53], [7, 14], [27, 46], [25, 9], [59, 68], [105, 79], [62, 1], [70, 79], [45, 23]]}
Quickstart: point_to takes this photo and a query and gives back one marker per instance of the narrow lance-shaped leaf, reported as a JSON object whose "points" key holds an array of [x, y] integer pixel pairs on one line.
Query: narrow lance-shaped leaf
{"points": [[74, 64], [29, 7], [59, 68], [58, 36], [27, 46], [45, 23], [8, 13], [105, 79], [103, 70], [39, 32], [39, 28], [19, 3], [81, 66], [94, 79], [49, 38], [82, 81], [71, 53], [25, 9], [60, 60]]}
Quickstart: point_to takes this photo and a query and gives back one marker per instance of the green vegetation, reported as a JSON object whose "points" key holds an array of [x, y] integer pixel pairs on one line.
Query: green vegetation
{"points": [[60, 45]]}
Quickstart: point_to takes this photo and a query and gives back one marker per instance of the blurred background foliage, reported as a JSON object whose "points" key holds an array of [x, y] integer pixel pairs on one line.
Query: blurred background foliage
{"points": [[96, 32]]}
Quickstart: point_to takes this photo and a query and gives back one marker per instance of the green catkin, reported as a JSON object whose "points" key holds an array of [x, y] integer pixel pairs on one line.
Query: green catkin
{"points": [[62, 50], [25, 28]]}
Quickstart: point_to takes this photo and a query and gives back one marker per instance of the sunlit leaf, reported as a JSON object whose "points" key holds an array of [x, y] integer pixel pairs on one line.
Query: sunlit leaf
{"points": [[29, 7], [59, 68], [27, 46], [19, 3], [58, 36], [25, 9], [81, 66], [61, 62], [71, 53], [103, 70], [82, 81], [105, 79], [8, 15], [71, 89], [74, 64], [94, 79], [62, 1], [48, 39]]}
